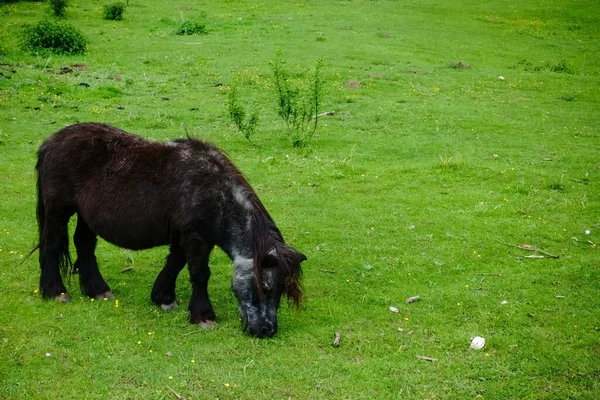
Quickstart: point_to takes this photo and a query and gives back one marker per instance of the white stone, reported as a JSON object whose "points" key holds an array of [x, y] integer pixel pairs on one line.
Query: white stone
{"points": [[477, 343]]}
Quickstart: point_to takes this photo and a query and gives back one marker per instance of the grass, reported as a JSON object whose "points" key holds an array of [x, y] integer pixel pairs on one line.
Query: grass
{"points": [[404, 191]]}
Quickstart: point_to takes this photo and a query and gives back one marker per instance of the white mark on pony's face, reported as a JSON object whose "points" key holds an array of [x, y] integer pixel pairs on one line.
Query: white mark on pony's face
{"points": [[171, 144], [259, 315], [240, 194]]}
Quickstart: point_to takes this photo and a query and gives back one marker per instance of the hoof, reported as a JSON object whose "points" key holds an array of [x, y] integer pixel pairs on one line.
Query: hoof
{"points": [[106, 295], [168, 307], [207, 324], [62, 298]]}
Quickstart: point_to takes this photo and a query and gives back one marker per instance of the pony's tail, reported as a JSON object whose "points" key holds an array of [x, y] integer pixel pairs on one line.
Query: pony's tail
{"points": [[65, 263], [40, 209]]}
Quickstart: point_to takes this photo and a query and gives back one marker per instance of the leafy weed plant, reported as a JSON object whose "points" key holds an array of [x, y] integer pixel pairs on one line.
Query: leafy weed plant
{"points": [[237, 114], [55, 37], [298, 108]]}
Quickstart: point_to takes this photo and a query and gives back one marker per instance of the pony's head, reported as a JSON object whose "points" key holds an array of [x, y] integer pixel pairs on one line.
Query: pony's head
{"points": [[259, 283]]}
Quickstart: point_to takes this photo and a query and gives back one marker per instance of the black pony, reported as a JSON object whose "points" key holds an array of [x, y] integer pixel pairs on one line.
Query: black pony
{"points": [[139, 194]]}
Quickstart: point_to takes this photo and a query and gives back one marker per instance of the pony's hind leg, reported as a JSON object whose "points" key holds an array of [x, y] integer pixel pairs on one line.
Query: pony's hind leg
{"points": [[54, 257], [163, 291], [91, 281]]}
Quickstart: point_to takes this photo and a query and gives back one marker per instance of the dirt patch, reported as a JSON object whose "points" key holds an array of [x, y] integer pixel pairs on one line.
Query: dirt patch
{"points": [[460, 65], [376, 76], [353, 84]]}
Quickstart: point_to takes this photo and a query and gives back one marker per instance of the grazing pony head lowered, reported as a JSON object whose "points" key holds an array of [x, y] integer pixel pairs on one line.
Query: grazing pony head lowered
{"points": [[266, 272]]}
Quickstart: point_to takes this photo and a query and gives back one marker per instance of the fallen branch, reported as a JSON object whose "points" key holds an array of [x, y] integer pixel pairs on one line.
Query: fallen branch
{"points": [[336, 340], [427, 358], [528, 248], [177, 395], [126, 269], [327, 271], [534, 256]]}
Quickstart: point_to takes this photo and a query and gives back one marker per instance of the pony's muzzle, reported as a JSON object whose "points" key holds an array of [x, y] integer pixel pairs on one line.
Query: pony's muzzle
{"points": [[263, 331]]}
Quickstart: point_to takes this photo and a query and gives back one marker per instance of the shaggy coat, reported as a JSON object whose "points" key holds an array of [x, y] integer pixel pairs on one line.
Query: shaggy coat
{"points": [[139, 194]]}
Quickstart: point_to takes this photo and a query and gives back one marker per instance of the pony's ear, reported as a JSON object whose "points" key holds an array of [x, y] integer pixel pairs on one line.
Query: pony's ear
{"points": [[301, 257], [270, 259]]}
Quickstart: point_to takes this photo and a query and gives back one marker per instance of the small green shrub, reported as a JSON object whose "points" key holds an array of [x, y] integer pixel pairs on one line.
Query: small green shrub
{"points": [[114, 11], [58, 7], [196, 26], [53, 36], [298, 108]]}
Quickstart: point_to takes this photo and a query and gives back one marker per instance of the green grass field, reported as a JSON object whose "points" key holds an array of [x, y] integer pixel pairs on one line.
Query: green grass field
{"points": [[429, 166]]}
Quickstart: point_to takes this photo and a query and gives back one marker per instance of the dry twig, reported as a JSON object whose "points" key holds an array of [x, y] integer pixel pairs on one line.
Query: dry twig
{"points": [[126, 269], [528, 248], [177, 395], [325, 114], [426, 358], [327, 271]]}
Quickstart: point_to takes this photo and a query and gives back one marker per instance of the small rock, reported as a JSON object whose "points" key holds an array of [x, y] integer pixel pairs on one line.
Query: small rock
{"points": [[560, 297], [48, 355], [413, 299], [400, 330], [393, 309], [501, 78], [477, 343], [169, 354], [410, 332], [504, 302], [587, 232]]}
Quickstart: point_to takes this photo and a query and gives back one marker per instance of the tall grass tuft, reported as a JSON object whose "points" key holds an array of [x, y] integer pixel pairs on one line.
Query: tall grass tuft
{"points": [[114, 11], [195, 26], [58, 7]]}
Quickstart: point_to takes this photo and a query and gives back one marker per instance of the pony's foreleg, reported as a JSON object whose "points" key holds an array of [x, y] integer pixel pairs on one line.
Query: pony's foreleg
{"points": [[90, 279], [163, 291], [54, 254], [197, 252]]}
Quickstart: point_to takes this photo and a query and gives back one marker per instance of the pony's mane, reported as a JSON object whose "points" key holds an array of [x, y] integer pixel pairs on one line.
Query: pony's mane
{"points": [[266, 238]]}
